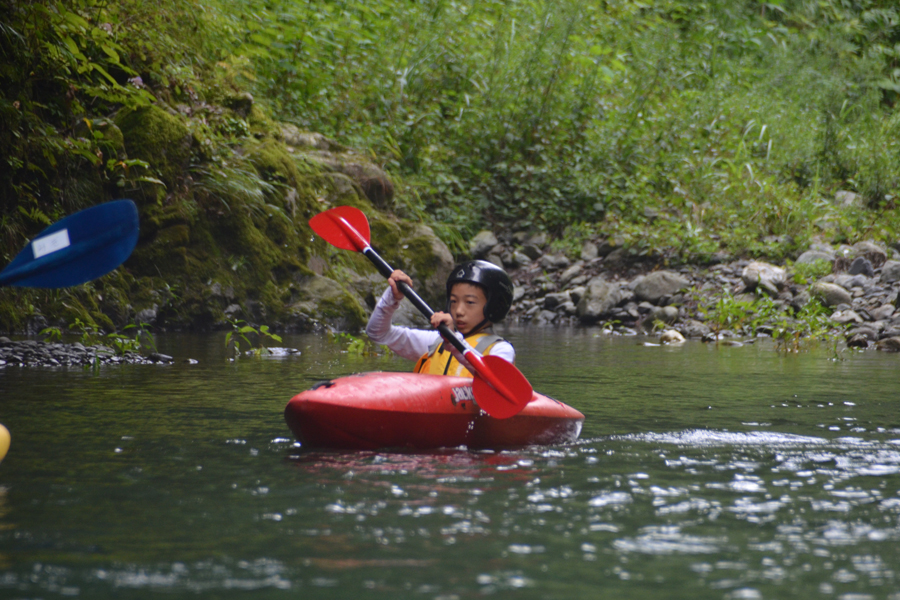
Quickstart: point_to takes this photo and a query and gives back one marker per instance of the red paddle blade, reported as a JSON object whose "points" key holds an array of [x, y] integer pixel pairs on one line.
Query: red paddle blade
{"points": [[495, 403], [343, 227]]}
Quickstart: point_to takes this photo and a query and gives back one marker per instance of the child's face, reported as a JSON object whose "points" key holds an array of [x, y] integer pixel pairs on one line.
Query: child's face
{"points": [[467, 306]]}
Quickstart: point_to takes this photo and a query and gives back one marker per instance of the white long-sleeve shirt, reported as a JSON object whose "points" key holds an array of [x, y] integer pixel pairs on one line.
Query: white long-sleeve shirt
{"points": [[413, 343]]}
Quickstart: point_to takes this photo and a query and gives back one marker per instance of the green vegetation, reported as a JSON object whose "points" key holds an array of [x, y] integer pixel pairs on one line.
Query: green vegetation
{"points": [[683, 128], [809, 272], [359, 345], [237, 340], [752, 314], [679, 129]]}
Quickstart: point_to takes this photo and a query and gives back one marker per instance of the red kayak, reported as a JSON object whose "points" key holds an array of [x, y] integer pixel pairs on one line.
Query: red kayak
{"points": [[411, 410]]}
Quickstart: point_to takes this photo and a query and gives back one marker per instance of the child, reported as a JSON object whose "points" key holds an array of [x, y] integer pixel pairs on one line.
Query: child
{"points": [[478, 295]]}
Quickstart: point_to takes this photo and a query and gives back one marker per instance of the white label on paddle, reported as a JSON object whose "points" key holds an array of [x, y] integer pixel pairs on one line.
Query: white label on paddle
{"points": [[51, 243]]}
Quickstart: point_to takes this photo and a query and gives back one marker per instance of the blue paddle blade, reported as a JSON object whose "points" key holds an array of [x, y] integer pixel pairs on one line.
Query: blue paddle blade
{"points": [[76, 249]]}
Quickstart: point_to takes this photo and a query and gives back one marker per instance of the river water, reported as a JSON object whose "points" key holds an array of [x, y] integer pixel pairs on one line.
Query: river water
{"points": [[702, 472]]}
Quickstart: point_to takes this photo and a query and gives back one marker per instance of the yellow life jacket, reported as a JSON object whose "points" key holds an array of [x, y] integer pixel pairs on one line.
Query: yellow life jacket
{"points": [[440, 361]]}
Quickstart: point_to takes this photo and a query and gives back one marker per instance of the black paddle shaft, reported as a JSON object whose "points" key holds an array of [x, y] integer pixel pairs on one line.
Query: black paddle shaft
{"points": [[386, 270]]}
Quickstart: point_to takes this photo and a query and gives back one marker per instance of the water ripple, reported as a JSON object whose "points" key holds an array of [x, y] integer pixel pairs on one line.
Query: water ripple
{"points": [[708, 437]]}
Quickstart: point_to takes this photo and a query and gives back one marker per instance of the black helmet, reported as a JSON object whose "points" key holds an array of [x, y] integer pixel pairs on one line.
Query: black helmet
{"points": [[497, 285]]}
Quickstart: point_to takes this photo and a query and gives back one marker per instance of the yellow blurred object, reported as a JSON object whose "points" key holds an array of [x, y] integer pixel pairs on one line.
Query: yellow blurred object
{"points": [[4, 441]]}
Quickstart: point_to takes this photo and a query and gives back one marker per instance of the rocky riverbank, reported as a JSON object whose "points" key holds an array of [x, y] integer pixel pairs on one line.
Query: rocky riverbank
{"points": [[854, 289], [32, 353]]}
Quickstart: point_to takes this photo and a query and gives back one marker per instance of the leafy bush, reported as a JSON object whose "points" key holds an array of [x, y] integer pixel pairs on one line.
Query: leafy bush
{"points": [[67, 66], [732, 122]]}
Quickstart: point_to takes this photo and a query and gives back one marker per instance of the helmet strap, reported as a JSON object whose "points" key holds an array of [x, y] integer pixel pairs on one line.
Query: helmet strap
{"points": [[485, 324]]}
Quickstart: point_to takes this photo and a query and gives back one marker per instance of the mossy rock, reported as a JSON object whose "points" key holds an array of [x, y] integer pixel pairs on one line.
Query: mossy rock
{"points": [[416, 250], [325, 301], [165, 254], [375, 184], [272, 161], [339, 190], [162, 140], [241, 103], [260, 123]]}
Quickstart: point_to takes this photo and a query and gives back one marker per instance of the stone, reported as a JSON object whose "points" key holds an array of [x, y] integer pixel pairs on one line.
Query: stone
{"points": [[659, 284], [811, 256], [848, 282], [670, 336], [619, 257], [577, 293], [867, 331], [494, 259], [890, 271], [553, 262], [515, 259], [567, 307], [606, 247], [646, 307], [631, 310], [580, 280], [763, 275], [521, 258], [292, 136], [858, 341], [870, 250], [407, 315], [861, 266], [240, 103], [374, 182], [147, 316], [633, 283], [822, 247], [665, 314], [420, 243], [589, 251], [846, 198], [545, 316], [883, 312], [316, 264], [571, 273], [846, 316], [719, 257], [538, 239], [531, 251], [831, 294], [325, 300], [890, 332], [551, 301], [891, 344], [599, 298], [482, 244]]}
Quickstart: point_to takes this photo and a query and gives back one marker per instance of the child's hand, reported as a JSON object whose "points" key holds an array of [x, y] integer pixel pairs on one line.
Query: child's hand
{"points": [[396, 276], [441, 318]]}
